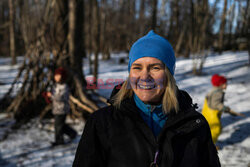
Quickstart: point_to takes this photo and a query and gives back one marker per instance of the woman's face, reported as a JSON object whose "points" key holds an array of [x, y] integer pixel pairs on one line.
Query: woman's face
{"points": [[147, 77]]}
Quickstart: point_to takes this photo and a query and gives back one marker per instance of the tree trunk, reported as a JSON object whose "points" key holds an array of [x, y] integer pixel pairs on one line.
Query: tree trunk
{"points": [[174, 21], [131, 22], [90, 35], [248, 33], [76, 49], [104, 40], [246, 17], [72, 27], [222, 27], [12, 32], [61, 31], [202, 42], [246, 28], [96, 34], [192, 25], [231, 38], [75, 37], [200, 26], [141, 17], [23, 26], [180, 40], [154, 14]]}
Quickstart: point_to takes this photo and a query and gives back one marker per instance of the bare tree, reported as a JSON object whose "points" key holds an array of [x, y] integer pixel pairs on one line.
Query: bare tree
{"points": [[199, 29], [12, 32], [246, 27], [141, 17], [104, 42], [96, 35], [231, 13], [154, 14], [56, 43], [222, 27]]}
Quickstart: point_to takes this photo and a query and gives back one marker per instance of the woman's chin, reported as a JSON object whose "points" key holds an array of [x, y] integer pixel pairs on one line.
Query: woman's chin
{"points": [[148, 100]]}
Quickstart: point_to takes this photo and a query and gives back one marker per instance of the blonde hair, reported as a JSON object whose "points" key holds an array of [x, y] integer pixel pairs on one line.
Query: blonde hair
{"points": [[169, 99]]}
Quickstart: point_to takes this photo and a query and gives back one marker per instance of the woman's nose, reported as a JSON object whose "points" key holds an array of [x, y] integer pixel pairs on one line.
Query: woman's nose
{"points": [[145, 75]]}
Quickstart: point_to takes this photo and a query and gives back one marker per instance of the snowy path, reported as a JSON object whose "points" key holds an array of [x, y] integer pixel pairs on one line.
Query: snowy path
{"points": [[29, 146]]}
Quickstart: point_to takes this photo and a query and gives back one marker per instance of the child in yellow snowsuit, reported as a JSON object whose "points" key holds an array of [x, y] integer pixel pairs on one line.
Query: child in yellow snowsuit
{"points": [[214, 105]]}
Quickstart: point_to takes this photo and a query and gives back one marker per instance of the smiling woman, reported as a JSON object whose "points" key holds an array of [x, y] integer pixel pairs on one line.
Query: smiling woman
{"points": [[150, 122], [152, 82]]}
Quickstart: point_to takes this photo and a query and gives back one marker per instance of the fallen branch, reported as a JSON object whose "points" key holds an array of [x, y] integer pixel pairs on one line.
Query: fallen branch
{"points": [[79, 104]]}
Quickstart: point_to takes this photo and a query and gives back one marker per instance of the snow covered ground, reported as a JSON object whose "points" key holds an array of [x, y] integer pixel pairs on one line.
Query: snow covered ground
{"points": [[29, 145]]}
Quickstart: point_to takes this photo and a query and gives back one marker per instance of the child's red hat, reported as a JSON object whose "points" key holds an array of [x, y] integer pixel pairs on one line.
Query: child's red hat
{"points": [[62, 72], [218, 80]]}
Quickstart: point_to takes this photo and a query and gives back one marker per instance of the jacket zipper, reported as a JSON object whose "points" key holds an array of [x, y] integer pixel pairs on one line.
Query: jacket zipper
{"points": [[155, 155], [154, 163]]}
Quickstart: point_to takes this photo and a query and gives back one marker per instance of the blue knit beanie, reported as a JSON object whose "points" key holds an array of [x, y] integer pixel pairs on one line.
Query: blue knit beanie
{"points": [[153, 45]]}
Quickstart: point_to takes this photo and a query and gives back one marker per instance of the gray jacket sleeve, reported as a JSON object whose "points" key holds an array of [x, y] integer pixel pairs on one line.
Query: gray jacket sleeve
{"points": [[216, 101]]}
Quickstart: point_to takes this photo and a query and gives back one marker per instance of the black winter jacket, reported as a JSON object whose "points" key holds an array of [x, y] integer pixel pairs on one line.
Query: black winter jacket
{"points": [[120, 138]]}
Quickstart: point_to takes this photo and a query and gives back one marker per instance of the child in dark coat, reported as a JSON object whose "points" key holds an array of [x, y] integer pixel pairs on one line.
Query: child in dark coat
{"points": [[60, 107]]}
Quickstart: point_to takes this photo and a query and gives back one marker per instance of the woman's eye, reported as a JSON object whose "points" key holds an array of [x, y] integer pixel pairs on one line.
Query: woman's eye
{"points": [[136, 68], [156, 68]]}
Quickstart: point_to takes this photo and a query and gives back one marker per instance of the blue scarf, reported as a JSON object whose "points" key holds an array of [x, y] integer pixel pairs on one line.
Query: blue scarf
{"points": [[152, 115]]}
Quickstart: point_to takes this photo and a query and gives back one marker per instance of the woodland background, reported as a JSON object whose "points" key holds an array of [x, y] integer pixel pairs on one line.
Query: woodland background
{"points": [[53, 33]]}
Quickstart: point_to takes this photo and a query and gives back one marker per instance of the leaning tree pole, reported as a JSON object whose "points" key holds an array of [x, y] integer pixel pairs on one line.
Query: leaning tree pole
{"points": [[57, 41]]}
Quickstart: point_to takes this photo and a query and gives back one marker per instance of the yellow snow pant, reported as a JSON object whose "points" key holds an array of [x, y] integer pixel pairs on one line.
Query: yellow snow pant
{"points": [[213, 119]]}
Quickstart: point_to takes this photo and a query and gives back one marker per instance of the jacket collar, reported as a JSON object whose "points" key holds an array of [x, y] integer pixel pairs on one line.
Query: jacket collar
{"points": [[147, 108], [186, 108], [184, 100], [186, 111]]}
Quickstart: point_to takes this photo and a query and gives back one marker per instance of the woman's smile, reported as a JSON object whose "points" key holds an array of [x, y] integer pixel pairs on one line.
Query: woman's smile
{"points": [[146, 87]]}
